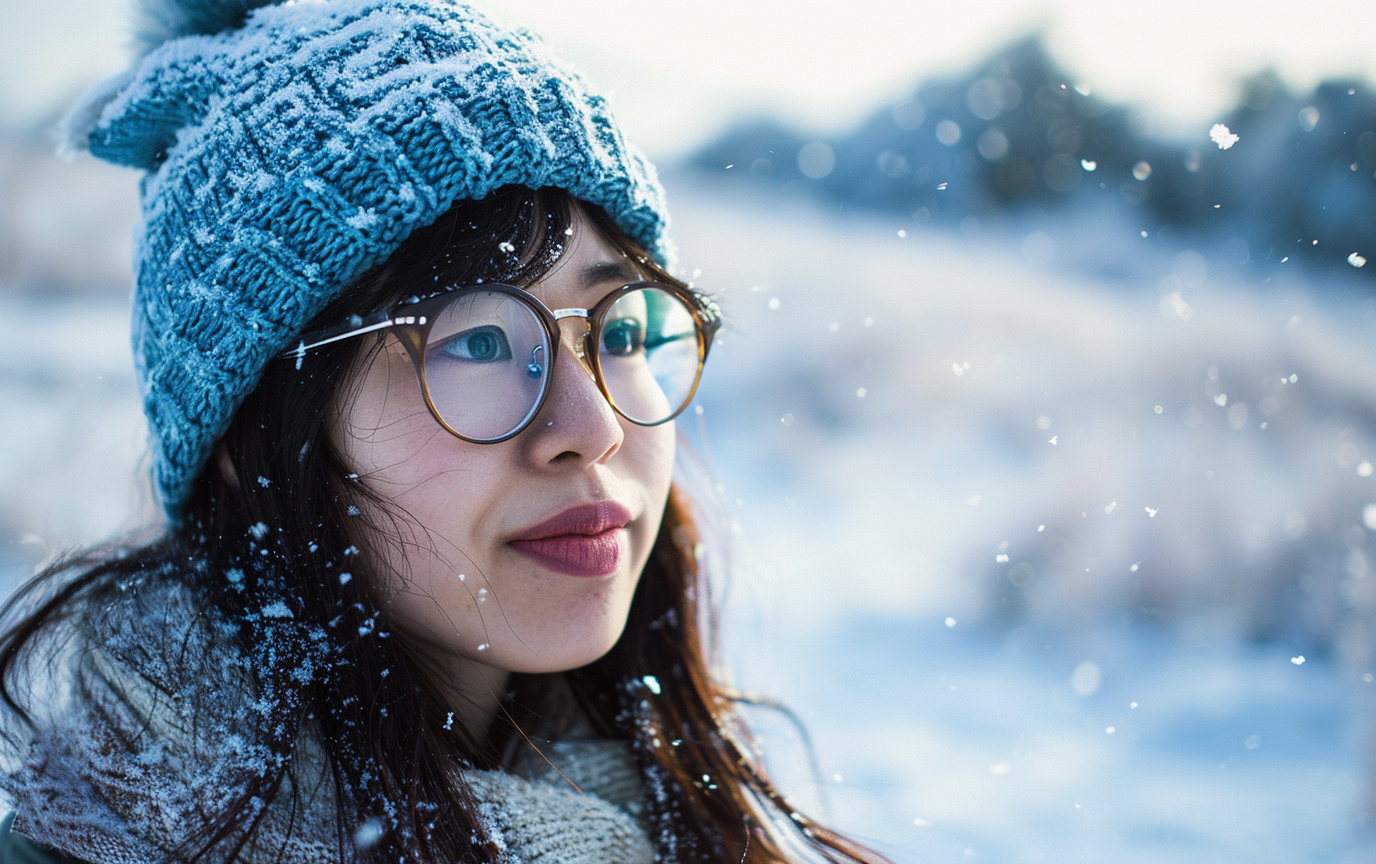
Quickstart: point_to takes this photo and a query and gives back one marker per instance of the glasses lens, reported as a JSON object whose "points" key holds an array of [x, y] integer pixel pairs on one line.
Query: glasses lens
{"points": [[649, 354], [486, 364]]}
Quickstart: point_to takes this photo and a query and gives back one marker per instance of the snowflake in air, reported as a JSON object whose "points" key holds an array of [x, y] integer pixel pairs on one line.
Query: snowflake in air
{"points": [[1222, 136]]}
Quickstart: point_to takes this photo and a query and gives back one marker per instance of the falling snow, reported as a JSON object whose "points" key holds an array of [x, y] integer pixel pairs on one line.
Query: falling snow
{"points": [[1222, 136]]}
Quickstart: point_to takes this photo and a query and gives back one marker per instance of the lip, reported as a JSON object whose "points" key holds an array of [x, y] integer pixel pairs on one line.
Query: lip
{"points": [[586, 541]]}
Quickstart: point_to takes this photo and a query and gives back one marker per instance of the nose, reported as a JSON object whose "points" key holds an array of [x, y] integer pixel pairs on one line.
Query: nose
{"points": [[577, 425]]}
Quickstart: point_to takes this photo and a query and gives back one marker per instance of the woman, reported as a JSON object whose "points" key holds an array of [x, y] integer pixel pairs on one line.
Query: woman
{"points": [[410, 358]]}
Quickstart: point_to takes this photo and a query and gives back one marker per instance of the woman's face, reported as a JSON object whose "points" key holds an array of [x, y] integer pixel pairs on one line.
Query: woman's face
{"points": [[521, 556]]}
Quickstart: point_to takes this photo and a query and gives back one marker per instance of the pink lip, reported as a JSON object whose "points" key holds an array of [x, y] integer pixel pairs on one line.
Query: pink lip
{"points": [[582, 541]]}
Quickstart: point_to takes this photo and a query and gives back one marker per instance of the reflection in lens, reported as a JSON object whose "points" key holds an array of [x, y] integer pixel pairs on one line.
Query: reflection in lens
{"points": [[486, 363], [483, 344], [649, 354]]}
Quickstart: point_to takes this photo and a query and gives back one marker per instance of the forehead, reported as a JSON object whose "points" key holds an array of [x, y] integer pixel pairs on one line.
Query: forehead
{"points": [[588, 268]]}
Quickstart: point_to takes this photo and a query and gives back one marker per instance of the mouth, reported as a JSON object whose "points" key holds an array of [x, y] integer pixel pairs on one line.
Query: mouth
{"points": [[586, 541]]}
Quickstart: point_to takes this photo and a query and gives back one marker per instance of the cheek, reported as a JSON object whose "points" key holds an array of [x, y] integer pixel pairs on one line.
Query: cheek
{"points": [[382, 424], [389, 438], [650, 452], [436, 487]]}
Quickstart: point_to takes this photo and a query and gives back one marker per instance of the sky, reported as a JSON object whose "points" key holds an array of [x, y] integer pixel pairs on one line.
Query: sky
{"points": [[678, 72]]}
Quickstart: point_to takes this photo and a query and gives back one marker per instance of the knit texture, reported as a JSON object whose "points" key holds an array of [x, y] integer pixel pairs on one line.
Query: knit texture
{"points": [[287, 156], [121, 768]]}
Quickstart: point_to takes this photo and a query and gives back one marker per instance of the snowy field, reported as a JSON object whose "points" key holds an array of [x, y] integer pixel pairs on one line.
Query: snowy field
{"points": [[1027, 614]]}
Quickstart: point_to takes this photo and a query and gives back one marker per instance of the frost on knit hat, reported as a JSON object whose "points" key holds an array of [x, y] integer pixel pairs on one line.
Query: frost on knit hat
{"points": [[291, 147]]}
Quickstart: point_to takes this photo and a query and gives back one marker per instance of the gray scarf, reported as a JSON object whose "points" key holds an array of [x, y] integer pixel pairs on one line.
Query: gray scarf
{"points": [[119, 771]]}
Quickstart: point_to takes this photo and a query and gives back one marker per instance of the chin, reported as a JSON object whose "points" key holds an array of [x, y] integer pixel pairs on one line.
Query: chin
{"points": [[586, 627], [561, 656]]}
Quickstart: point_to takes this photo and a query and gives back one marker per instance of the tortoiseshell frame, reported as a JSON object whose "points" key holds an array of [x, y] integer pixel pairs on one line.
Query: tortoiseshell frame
{"points": [[412, 321]]}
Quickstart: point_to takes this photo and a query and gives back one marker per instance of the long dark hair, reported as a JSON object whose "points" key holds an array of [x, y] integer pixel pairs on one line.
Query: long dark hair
{"points": [[268, 542]]}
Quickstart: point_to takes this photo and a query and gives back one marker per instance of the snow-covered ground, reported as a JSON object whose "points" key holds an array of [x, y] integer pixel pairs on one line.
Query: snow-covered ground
{"points": [[933, 742], [966, 539], [984, 506]]}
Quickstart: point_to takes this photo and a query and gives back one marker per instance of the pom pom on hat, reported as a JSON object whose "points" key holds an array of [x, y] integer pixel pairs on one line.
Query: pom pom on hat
{"points": [[157, 21], [291, 147]]}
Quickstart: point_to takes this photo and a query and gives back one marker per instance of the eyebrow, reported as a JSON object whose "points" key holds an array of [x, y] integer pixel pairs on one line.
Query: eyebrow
{"points": [[608, 271]]}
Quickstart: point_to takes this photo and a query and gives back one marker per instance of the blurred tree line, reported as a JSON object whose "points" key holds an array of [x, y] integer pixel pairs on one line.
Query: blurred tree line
{"points": [[1018, 134]]}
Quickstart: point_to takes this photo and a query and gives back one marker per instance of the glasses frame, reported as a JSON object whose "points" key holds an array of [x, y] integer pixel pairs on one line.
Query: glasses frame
{"points": [[411, 323]]}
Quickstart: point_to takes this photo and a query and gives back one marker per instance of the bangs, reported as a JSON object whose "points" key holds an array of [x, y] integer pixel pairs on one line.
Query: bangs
{"points": [[514, 236]]}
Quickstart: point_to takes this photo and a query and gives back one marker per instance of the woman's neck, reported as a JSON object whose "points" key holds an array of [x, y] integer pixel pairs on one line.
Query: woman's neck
{"points": [[475, 692], [472, 691]]}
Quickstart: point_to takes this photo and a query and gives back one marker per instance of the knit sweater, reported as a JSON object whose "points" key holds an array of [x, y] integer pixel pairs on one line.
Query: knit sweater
{"points": [[118, 773]]}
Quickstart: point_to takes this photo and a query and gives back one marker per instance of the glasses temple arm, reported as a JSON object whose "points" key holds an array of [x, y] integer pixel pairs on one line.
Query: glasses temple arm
{"points": [[303, 346], [709, 314]]}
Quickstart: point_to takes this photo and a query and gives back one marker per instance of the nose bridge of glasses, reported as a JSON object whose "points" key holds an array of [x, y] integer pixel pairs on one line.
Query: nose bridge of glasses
{"points": [[576, 324]]}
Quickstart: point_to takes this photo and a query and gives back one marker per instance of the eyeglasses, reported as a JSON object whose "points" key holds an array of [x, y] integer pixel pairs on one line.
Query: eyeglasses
{"points": [[484, 354]]}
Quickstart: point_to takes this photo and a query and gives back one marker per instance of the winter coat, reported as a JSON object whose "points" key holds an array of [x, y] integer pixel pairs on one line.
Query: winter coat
{"points": [[119, 769]]}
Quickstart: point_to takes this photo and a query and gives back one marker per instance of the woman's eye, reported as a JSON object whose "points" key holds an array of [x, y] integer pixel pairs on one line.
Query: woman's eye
{"points": [[480, 345], [623, 337]]}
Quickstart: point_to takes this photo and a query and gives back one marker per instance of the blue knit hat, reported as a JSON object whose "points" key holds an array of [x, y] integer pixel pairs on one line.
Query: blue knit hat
{"points": [[291, 147]]}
